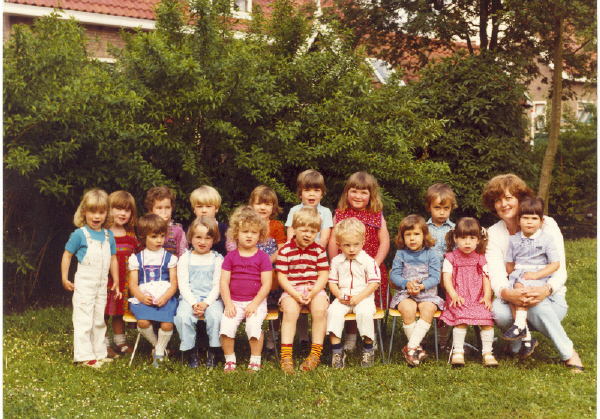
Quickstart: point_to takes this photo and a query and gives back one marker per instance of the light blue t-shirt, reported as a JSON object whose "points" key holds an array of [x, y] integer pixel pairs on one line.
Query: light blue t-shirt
{"points": [[77, 243], [325, 213]]}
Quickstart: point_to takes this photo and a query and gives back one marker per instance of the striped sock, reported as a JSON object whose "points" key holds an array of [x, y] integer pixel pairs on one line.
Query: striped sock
{"points": [[286, 350], [315, 349]]}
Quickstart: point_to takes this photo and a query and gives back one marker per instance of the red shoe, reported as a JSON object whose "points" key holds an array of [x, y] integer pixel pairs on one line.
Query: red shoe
{"points": [[411, 356]]}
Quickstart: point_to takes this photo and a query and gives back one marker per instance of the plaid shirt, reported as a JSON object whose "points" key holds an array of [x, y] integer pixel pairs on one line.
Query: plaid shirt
{"points": [[439, 234]]}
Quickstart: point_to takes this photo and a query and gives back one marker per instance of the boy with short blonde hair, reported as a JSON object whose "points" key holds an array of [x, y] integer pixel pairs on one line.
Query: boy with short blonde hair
{"points": [[353, 279], [206, 201], [302, 271]]}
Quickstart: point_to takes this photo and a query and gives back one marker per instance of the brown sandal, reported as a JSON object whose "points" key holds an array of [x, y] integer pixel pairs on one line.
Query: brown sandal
{"points": [[287, 365], [310, 363]]}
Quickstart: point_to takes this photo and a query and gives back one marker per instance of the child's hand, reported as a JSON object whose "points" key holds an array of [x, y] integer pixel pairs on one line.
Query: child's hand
{"points": [[251, 309], [162, 300], [298, 297], [115, 290], [147, 299], [413, 288], [528, 275], [457, 301], [199, 309], [354, 300], [68, 285], [230, 311], [487, 301]]}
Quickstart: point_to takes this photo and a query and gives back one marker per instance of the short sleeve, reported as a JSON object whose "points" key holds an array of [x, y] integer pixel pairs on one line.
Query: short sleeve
{"points": [[74, 242], [327, 221], [112, 242], [172, 262], [290, 217], [265, 262], [447, 267], [228, 262], [282, 263], [322, 263], [134, 263], [334, 270]]}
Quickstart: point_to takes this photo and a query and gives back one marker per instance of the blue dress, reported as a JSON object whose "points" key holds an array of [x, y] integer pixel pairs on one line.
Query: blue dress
{"points": [[149, 273]]}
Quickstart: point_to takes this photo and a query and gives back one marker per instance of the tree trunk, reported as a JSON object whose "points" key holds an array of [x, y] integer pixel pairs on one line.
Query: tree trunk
{"points": [[557, 87]]}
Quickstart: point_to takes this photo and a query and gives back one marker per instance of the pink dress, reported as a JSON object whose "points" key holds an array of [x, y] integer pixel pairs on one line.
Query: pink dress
{"points": [[467, 280], [372, 222]]}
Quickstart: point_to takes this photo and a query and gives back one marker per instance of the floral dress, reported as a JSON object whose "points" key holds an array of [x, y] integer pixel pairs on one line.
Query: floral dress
{"points": [[372, 222], [126, 246]]}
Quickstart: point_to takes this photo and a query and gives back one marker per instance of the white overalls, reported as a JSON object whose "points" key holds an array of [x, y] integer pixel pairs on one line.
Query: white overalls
{"points": [[89, 300]]}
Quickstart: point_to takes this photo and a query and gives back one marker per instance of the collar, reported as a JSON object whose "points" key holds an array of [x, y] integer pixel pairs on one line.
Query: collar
{"points": [[446, 223], [362, 257], [533, 236]]}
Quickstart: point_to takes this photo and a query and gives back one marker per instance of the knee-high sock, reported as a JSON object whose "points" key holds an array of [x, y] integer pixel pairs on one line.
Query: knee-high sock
{"points": [[163, 340], [419, 333], [149, 335], [487, 339], [458, 339]]}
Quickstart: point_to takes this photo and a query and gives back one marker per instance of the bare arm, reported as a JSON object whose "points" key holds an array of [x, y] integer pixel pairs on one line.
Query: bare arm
{"points": [[324, 239], [114, 272], [384, 243], [226, 294], [65, 264], [290, 233], [510, 267], [322, 279], [547, 271], [332, 247], [266, 278]]}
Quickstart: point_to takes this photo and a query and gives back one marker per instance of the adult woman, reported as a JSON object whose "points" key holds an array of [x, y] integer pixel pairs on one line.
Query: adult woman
{"points": [[547, 304]]}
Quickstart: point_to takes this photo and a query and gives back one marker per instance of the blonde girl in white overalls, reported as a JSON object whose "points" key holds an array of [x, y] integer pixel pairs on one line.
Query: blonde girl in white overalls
{"points": [[94, 246]]}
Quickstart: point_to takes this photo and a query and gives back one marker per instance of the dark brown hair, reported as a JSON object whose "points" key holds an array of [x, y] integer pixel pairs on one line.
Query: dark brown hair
{"points": [[158, 193], [150, 224], [531, 206], [467, 226], [441, 191], [409, 223], [310, 179]]}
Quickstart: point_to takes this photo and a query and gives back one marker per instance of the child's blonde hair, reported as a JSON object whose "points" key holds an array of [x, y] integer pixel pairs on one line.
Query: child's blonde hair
{"points": [[307, 217], [467, 226], [205, 195], [349, 228], [124, 200], [441, 191], [246, 216], [362, 180], [93, 200], [310, 179], [210, 224], [151, 224], [409, 223], [158, 193], [263, 194]]}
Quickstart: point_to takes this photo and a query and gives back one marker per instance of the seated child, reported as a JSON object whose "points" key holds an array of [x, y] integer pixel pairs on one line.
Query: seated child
{"points": [[160, 200], [198, 275], [531, 259], [353, 278], [245, 282], [302, 271], [153, 283], [416, 272], [206, 201]]}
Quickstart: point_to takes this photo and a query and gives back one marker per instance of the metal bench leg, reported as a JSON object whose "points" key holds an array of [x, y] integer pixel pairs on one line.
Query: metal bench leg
{"points": [[391, 340], [135, 348]]}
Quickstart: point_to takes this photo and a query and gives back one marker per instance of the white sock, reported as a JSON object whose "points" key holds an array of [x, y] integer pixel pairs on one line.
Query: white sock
{"points": [[230, 358], [255, 359], [120, 339], [421, 329], [149, 335], [409, 329], [458, 339], [350, 342], [487, 339], [302, 327], [163, 340], [521, 319], [106, 341]]}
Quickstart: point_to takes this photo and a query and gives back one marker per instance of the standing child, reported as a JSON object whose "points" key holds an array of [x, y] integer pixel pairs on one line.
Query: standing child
{"points": [[531, 259], [198, 275], [153, 283], [160, 200], [95, 249], [439, 202], [416, 272], [245, 282], [310, 188], [361, 200], [264, 201], [124, 214], [206, 201], [468, 289], [353, 278], [302, 271]]}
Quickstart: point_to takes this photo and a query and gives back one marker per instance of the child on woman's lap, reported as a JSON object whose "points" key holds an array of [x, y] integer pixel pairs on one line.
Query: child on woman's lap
{"points": [[124, 214], [198, 275], [361, 199], [153, 283], [245, 282], [95, 249], [416, 272], [353, 278], [468, 290], [531, 259], [302, 271]]}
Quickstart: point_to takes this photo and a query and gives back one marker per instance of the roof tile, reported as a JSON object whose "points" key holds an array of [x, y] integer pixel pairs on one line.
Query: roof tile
{"points": [[140, 9]]}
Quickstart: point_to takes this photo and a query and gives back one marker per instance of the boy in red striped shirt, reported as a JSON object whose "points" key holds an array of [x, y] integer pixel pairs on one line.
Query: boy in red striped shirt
{"points": [[303, 272]]}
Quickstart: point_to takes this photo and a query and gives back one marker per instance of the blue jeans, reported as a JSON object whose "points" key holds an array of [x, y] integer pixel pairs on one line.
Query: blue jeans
{"points": [[185, 323], [546, 318]]}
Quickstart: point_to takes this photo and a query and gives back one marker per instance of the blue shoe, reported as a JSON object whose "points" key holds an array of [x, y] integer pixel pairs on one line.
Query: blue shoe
{"points": [[193, 361], [527, 347], [211, 360], [514, 333], [156, 359]]}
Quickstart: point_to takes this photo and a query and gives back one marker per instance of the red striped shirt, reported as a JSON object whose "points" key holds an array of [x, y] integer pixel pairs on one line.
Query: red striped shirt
{"points": [[301, 265]]}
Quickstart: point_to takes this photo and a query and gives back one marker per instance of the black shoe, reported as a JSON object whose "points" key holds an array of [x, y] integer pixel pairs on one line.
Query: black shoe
{"points": [[527, 347], [514, 333], [212, 359], [193, 361]]}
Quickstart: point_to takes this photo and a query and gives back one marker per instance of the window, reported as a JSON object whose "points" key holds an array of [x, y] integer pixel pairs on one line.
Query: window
{"points": [[583, 112], [381, 69], [242, 9]]}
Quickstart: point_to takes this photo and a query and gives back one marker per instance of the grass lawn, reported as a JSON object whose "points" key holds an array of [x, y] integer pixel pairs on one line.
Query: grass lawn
{"points": [[41, 381]]}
